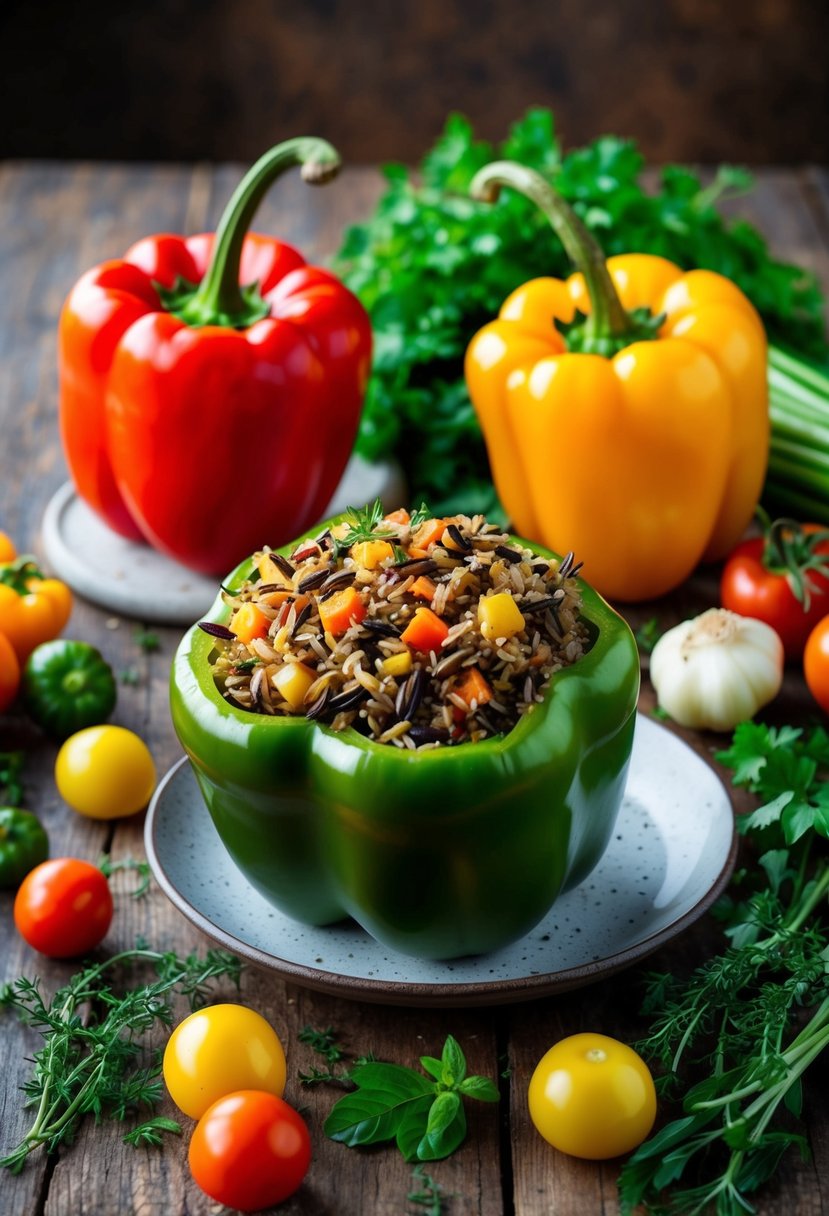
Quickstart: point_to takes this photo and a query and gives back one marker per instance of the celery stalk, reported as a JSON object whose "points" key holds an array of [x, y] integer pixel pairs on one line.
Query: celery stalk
{"points": [[798, 477]]}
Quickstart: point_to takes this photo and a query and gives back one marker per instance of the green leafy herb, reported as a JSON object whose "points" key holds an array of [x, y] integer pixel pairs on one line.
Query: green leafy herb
{"points": [[108, 867], [11, 784], [424, 1115], [647, 635], [429, 1194], [149, 1133], [362, 523], [753, 1019], [147, 640], [92, 1042], [324, 1043], [432, 266]]}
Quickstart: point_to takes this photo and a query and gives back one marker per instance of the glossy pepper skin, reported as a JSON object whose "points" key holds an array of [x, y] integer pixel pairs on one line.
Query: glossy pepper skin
{"points": [[211, 386], [68, 686], [638, 439], [23, 845], [437, 854]]}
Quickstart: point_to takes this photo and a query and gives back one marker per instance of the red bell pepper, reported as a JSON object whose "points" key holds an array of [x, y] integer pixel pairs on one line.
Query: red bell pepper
{"points": [[210, 387]]}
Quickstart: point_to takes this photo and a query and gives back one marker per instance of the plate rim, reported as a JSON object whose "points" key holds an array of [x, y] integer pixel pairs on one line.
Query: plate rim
{"points": [[456, 994]]}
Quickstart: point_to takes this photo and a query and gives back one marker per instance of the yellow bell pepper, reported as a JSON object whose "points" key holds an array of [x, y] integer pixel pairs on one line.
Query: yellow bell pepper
{"points": [[625, 410]]}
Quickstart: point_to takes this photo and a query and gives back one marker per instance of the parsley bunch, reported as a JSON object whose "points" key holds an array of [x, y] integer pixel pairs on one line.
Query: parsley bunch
{"points": [[753, 1019], [432, 266], [91, 1058]]}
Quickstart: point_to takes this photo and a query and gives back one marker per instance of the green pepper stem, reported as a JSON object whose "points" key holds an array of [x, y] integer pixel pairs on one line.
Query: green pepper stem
{"points": [[608, 318], [219, 299]]}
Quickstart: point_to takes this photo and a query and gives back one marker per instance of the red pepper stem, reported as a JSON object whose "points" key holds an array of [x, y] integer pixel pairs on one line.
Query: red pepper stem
{"points": [[220, 299], [608, 318]]}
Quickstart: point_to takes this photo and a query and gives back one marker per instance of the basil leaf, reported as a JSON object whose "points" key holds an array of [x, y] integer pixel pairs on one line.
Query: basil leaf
{"points": [[454, 1062], [479, 1088], [432, 1066], [374, 1111], [446, 1128], [412, 1126]]}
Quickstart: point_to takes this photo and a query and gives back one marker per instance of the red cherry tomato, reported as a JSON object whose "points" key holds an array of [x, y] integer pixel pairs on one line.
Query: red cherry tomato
{"points": [[250, 1150], [63, 907], [758, 580], [816, 663]]}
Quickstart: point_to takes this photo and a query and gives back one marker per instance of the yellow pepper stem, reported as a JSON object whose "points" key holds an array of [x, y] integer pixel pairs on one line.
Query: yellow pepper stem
{"points": [[609, 326]]}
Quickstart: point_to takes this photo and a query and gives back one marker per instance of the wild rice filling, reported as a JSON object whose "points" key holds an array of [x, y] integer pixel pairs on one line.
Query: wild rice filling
{"points": [[414, 631]]}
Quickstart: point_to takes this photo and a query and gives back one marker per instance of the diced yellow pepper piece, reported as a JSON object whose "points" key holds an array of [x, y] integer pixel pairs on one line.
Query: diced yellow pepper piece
{"points": [[292, 681], [269, 572], [371, 553], [398, 664], [499, 616]]}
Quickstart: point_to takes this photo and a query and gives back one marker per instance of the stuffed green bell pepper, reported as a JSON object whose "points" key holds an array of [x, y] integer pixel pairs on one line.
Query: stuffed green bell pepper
{"points": [[441, 851]]}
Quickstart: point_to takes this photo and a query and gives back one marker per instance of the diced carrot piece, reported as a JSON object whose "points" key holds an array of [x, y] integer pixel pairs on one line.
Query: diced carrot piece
{"points": [[414, 552], [425, 631], [249, 622], [341, 610], [274, 598], [423, 588], [400, 516], [429, 533], [473, 687]]}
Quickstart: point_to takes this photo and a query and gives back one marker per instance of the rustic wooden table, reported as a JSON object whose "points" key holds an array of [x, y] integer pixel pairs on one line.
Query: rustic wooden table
{"points": [[57, 220]]}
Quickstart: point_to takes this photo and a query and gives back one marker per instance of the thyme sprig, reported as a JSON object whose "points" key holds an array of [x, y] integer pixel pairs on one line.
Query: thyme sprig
{"points": [[753, 1019], [93, 1042]]}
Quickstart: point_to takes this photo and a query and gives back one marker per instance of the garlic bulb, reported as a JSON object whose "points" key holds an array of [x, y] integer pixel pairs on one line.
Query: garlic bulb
{"points": [[717, 670]]}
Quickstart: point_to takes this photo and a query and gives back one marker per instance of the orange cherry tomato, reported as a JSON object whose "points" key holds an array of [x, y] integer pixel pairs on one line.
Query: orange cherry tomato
{"points": [[7, 549], [32, 609], [250, 1150], [816, 663], [63, 907], [9, 673]]}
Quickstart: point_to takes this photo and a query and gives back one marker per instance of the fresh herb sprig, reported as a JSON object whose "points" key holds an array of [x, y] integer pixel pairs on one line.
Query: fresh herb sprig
{"points": [[756, 1017], [92, 1064], [427, 1193], [362, 523], [424, 1115], [432, 266]]}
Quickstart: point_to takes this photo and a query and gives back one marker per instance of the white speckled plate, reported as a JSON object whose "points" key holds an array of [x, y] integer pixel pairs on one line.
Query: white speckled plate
{"points": [[137, 581], [671, 855]]}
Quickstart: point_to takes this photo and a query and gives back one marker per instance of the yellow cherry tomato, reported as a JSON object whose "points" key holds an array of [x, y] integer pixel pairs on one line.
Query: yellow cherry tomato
{"points": [[219, 1050], [7, 549], [105, 772], [592, 1096], [9, 673]]}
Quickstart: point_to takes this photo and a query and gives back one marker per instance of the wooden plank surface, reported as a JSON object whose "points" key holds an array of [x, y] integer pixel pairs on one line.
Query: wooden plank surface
{"points": [[56, 221]]}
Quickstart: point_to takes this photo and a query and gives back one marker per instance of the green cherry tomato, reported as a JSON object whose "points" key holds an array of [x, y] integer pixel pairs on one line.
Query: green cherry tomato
{"points": [[218, 1050], [67, 686], [23, 844], [105, 772], [250, 1150], [63, 907], [592, 1096]]}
